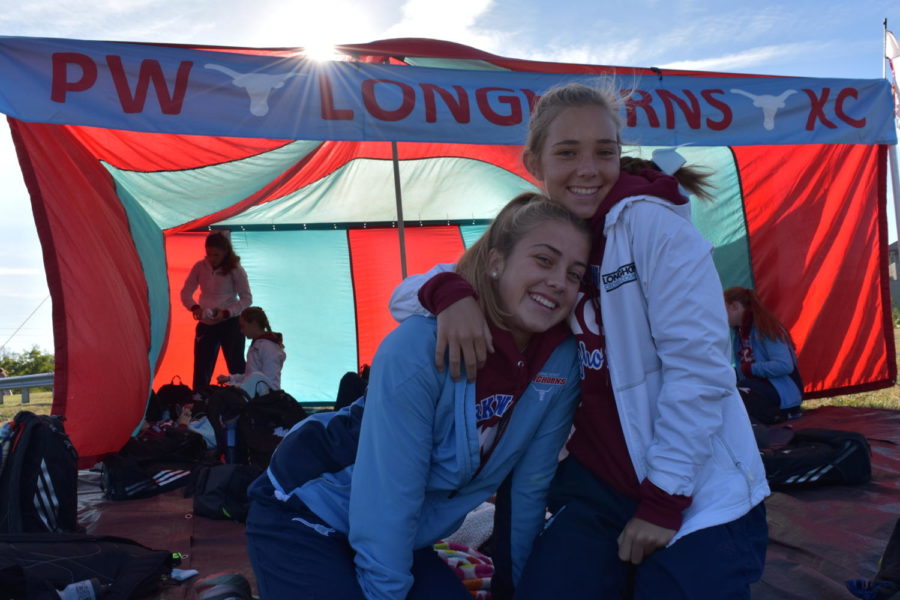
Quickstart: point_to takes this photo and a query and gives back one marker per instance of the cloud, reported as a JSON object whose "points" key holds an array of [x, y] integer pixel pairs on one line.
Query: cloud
{"points": [[745, 59], [455, 21], [18, 271]]}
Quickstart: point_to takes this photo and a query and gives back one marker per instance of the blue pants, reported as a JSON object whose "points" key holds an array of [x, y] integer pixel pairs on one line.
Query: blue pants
{"points": [[762, 401], [207, 341], [576, 556], [296, 555]]}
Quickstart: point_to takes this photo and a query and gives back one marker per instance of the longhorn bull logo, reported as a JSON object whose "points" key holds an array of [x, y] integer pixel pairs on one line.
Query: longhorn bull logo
{"points": [[257, 85], [768, 103]]}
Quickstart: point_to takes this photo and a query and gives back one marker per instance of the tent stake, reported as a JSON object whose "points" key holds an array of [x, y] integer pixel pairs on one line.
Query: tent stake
{"points": [[399, 198]]}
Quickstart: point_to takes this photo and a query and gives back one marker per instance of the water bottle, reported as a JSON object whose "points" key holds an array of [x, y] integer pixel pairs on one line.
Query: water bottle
{"points": [[89, 589], [230, 442]]}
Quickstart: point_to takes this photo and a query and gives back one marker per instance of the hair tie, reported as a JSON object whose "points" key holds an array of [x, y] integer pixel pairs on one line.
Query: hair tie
{"points": [[668, 160]]}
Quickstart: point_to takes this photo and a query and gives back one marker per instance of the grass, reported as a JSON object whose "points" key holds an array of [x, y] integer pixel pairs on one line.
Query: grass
{"points": [[884, 398], [41, 402]]}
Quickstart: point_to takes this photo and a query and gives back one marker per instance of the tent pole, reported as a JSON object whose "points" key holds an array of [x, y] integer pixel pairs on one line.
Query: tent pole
{"points": [[399, 198]]}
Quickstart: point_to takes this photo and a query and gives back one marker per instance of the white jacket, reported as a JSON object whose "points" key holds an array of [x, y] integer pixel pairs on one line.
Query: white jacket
{"points": [[265, 359], [668, 350]]}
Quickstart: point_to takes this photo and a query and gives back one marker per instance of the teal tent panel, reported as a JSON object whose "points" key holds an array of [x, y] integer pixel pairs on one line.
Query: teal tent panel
{"points": [[720, 220], [173, 198], [471, 233], [446, 188], [302, 280], [150, 246], [467, 64]]}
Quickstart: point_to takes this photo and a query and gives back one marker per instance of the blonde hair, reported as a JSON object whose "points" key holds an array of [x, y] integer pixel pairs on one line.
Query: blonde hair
{"points": [[610, 99], [517, 219], [255, 314], [572, 95]]}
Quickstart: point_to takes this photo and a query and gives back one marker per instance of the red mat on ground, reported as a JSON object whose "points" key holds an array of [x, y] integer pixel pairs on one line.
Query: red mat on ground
{"points": [[817, 538]]}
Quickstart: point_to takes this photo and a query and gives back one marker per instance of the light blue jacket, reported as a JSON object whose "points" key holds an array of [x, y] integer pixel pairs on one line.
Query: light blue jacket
{"points": [[415, 475], [773, 360]]}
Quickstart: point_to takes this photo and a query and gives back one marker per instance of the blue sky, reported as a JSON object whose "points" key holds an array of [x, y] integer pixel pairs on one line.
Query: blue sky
{"points": [[802, 38]]}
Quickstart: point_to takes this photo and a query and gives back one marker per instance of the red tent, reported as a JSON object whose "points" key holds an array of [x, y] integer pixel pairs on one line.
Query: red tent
{"points": [[132, 152]]}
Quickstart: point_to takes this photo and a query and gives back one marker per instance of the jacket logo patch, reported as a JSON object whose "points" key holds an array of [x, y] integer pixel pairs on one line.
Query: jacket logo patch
{"points": [[494, 405], [619, 277]]}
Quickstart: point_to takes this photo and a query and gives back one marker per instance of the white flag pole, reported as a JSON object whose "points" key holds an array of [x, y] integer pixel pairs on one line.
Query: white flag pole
{"points": [[892, 150]]}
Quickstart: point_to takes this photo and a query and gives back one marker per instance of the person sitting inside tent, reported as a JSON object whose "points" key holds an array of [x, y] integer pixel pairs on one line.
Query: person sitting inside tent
{"points": [[353, 500], [265, 358], [764, 358]]}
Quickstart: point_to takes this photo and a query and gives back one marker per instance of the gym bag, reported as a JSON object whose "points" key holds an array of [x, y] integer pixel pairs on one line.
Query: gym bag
{"points": [[264, 422], [38, 477], [816, 457], [220, 491], [36, 564], [145, 468], [167, 397]]}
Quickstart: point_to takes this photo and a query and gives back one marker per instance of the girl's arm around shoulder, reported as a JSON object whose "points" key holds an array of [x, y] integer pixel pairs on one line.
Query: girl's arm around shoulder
{"points": [[393, 458], [405, 299]]}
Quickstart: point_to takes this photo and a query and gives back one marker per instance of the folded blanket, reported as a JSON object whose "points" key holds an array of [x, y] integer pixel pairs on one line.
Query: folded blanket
{"points": [[471, 566]]}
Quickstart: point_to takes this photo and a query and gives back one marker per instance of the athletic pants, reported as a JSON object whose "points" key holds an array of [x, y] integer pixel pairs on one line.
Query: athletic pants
{"points": [[207, 341], [762, 401], [576, 556], [297, 555]]}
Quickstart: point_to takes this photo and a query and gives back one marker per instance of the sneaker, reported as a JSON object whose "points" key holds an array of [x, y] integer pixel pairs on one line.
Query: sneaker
{"points": [[223, 586], [794, 413]]}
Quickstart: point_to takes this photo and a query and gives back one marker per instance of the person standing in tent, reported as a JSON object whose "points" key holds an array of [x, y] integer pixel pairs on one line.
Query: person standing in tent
{"points": [[764, 358], [224, 293], [353, 500], [265, 358], [661, 495]]}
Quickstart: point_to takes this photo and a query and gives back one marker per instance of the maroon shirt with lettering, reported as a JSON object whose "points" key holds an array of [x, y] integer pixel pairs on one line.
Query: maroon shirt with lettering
{"points": [[598, 442]]}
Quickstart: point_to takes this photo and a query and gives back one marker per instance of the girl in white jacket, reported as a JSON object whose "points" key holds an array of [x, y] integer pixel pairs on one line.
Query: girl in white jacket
{"points": [[265, 358], [661, 495]]}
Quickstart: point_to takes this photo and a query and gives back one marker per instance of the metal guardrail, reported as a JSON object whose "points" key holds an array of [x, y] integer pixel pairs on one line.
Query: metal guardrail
{"points": [[24, 383]]}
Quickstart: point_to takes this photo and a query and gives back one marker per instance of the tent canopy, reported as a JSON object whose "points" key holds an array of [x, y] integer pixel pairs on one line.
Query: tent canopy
{"points": [[133, 152]]}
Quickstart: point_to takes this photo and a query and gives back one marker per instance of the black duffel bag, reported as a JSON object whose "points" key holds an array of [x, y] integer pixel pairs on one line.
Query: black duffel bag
{"points": [[264, 422], [34, 565], [220, 491], [816, 457]]}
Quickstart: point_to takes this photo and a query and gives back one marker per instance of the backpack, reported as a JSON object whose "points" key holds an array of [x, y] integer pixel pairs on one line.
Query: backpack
{"points": [[144, 468], [264, 422], [168, 396], [224, 406], [39, 476], [220, 491], [35, 565], [816, 457]]}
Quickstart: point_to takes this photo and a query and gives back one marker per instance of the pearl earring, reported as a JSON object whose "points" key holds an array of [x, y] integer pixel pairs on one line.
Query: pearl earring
{"points": [[494, 274]]}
